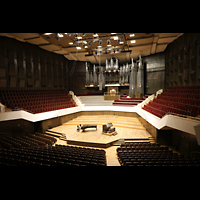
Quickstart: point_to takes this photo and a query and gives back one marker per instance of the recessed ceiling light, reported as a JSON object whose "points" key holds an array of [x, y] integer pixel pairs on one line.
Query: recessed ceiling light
{"points": [[121, 42], [78, 47], [133, 41], [132, 35], [60, 35], [47, 33], [113, 33], [71, 43], [95, 35], [86, 46], [79, 37], [99, 46], [115, 38], [109, 45]]}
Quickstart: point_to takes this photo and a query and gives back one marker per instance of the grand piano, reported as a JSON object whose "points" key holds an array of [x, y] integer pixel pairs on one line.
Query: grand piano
{"points": [[85, 126]]}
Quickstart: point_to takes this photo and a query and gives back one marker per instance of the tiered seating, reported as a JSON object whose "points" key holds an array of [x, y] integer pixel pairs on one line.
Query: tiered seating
{"points": [[29, 140], [124, 101], [36, 101], [147, 154], [178, 100], [59, 155]]}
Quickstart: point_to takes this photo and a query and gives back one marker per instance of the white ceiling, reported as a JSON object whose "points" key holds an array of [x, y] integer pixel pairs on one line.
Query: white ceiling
{"points": [[144, 44]]}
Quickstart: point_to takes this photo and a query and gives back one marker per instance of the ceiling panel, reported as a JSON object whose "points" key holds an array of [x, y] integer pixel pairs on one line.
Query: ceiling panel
{"points": [[50, 47], [37, 41], [145, 44]]}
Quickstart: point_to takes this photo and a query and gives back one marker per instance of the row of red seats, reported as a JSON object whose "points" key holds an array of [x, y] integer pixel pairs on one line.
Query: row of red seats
{"points": [[195, 102], [179, 100], [193, 110], [168, 109], [154, 111], [36, 101]]}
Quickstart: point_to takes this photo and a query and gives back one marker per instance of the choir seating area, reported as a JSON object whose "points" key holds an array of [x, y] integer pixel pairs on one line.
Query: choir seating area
{"points": [[58, 155], [125, 101], [36, 101], [182, 101], [151, 154]]}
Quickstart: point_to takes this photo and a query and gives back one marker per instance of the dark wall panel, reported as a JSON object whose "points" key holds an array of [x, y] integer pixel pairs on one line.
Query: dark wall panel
{"points": [[182, 58], [24, 65]]}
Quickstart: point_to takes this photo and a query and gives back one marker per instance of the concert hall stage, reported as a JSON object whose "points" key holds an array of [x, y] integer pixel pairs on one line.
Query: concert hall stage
{"points": [[128, 128]]}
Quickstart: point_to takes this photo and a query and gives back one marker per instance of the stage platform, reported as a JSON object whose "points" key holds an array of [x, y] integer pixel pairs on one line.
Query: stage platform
{"points": [[128, 128]]}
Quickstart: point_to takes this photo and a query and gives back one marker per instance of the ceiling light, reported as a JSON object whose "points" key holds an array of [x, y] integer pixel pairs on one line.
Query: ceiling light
{"points": [[121, 42], [99, 46], [132, 35], [68, 34], [109, 45], [100, 42], [47, 33], [108, 41], [133, 41], [78, 47], [95, 35], [115, 38], [89, 43], [113, 33], [60, 35], [79, 37], [71, 43], [86, 46]]}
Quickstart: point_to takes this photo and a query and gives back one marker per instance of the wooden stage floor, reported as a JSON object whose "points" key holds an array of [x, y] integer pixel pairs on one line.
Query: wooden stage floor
{"points": [[126, 127]]}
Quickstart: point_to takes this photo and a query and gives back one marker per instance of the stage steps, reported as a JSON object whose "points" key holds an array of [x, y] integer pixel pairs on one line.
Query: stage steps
{"points": [[61, 136], [95, 100]]}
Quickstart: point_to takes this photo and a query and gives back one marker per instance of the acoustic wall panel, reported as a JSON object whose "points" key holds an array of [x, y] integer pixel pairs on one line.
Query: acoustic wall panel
{"points": [[23, 65]]}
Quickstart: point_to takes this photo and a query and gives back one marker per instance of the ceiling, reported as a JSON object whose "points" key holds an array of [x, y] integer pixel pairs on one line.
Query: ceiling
{"points": [[123, 46]]}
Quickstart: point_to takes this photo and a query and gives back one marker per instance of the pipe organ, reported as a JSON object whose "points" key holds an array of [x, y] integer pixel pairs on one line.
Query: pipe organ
{"points": [[131, 75]]}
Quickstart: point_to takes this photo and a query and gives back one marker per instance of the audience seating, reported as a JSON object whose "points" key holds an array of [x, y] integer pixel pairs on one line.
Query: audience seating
{"points": [[59, 155], [151, 154], [182, 101], [29, 140], [36, 101], [124, 101]]}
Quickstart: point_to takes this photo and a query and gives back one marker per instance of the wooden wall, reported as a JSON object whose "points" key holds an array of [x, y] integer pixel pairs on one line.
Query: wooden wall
{"points": [[26, 66], [182, 61]]}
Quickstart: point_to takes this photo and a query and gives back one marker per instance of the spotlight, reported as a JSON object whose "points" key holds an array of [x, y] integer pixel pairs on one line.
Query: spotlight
{"points": [[56, 36], [100, 42], [75, 35], [108, 41], [83, 34], [89, 43]]}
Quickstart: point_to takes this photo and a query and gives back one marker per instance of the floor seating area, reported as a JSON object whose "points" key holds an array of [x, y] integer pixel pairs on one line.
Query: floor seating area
{"points": [[29, 140], [151, 154], [183, 101], [124, 101], [59, 155], [36, 101]]}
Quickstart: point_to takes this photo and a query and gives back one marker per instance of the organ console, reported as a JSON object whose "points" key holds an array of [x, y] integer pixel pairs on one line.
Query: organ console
{"points": [[108, 129]]}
